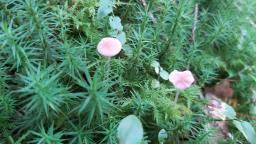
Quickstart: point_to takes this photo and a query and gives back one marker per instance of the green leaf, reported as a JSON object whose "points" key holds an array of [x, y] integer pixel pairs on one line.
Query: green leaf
{"points": [[229, 111], [122, 37], [225, 112], [159, 70], [130, 130], [115, 23], [106, 7], [104, 11], [164, 74], [156, 65], [247, 130]]}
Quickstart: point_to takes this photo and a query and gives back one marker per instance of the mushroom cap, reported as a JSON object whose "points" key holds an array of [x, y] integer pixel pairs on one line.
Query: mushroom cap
{"points": [[181, 79], [109, 47]]}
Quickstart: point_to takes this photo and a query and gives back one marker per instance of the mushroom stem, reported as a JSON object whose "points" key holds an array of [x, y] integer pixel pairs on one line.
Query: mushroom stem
{"points": [[176, 97], [108, 68]]}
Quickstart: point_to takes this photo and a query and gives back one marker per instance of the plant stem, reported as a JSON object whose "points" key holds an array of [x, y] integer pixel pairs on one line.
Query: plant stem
{"points": [[108, 68]]}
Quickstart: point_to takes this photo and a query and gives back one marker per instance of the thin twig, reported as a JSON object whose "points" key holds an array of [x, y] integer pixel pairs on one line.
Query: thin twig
{"points": [[194, 26], [195, 23]]}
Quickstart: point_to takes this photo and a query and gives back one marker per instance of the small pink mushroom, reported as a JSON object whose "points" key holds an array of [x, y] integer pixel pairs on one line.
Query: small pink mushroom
{"points": [[181, 79], [109, 47]]}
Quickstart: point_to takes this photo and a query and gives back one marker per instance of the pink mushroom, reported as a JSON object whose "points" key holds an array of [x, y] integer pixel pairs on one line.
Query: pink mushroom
{"points": [[109, 47], [181, 79]]}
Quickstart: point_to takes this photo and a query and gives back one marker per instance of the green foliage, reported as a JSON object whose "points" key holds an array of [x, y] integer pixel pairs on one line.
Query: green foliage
{"points": [[7, 110], [130, 130], [41, 92], [247, 130], [11, 45], [47, 137], [96, 101], [51, 73], [106, 7]]}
